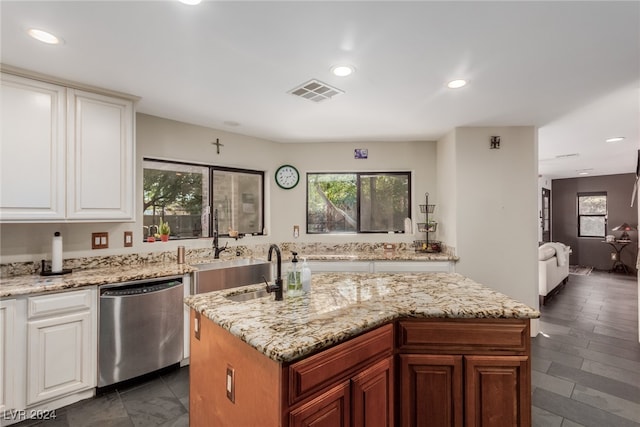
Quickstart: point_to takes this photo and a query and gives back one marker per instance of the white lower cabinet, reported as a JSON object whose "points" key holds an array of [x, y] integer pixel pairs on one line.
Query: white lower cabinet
{"points": [[12, 355], [61, 344]]}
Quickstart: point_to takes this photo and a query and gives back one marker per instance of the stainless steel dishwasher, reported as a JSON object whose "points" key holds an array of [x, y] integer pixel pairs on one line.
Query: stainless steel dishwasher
{"points": [[140, 328]]}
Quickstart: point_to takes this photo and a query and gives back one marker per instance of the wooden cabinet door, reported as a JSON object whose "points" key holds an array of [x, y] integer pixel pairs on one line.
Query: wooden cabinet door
{"points": [[372, 396], [330, 409], [431, 390], [32, 165], [497, 391], [101, 157]]}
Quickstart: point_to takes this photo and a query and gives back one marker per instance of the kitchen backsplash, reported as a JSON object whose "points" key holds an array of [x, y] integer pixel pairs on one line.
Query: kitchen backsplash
{"points": [[199, 255]]}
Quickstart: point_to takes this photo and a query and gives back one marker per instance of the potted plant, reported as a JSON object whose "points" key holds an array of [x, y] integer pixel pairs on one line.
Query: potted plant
{"points": [[164, 231]]}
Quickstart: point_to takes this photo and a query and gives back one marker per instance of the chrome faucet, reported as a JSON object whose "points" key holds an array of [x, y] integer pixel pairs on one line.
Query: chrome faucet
{"points": [[216, 248], [277, 287]]}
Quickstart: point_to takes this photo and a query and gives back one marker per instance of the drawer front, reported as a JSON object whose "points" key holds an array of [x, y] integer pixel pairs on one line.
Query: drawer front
{"points": [[461, 336], [59, 303], [338, 363]]}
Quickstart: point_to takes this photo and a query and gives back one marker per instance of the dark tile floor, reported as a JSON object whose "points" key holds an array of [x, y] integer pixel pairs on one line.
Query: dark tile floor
{"points": [[162, 400], [586, 360], [585, 368]]}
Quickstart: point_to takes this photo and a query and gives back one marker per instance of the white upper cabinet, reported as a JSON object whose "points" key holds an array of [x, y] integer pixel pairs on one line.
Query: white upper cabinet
{"points": [[32, 150], [100, 157], [67, 154]]}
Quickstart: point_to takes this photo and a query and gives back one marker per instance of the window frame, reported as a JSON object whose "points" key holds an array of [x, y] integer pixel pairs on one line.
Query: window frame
{"points": [[209, 209], [580, 216], [358, 175]]}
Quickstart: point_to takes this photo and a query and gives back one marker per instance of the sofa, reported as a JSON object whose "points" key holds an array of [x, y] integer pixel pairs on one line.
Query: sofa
{"points": [[553, 269]]}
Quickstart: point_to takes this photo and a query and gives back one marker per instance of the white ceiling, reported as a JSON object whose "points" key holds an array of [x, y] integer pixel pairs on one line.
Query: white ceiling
{"points": [[570, 68]]}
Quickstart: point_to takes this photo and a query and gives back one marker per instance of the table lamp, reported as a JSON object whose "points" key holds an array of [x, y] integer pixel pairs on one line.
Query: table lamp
{"points": [[625, 228]]}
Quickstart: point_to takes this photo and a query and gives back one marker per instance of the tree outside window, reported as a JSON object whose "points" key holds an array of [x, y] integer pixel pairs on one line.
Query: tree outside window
{"points": [[180, 194], [592, 214], [357, 202]]}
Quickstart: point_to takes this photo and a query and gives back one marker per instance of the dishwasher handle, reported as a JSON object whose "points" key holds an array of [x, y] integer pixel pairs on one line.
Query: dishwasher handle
{"points": [[139, 289]]}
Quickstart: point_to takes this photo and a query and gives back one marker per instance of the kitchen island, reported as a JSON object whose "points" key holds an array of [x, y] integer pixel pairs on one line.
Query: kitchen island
{"points": [[362, 349]]}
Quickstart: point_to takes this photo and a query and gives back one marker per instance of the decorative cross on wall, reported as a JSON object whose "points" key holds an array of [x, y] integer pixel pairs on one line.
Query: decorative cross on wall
{"points": [[218, 145]]}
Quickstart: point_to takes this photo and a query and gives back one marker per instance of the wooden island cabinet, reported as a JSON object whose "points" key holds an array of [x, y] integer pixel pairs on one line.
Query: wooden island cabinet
{"points": [[410, 372], [464, 372]]}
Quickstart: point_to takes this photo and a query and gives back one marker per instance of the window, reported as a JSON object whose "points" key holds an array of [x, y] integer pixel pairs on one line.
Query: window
{"points": [[181, 194], [592, 214], [371, 202]]}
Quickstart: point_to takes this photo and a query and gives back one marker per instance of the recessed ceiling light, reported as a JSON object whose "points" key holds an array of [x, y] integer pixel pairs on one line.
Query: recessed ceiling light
{"points": [[190, 2], [342, 70], [456, 84], [43, 36], [231, 123], [615, 139], [583, 173]]}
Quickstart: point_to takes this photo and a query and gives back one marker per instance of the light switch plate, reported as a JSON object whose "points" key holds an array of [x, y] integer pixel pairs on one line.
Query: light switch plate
{"points": [[128, 239]]}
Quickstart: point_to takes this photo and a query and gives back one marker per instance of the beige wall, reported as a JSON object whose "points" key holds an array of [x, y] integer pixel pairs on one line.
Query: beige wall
{"points": [[497, 219], [167, 139], [447, 189]]}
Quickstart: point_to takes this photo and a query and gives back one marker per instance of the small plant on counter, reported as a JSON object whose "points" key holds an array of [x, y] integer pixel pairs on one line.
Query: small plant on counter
{"points": [[164, 231]]}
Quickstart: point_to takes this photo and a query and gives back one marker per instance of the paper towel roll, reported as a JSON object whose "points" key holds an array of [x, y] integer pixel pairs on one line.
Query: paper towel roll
{"points": [[56, 253]]}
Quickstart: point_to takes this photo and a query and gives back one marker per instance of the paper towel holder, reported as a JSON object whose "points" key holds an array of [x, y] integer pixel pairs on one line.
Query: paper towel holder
{"points": [[45, 269]]}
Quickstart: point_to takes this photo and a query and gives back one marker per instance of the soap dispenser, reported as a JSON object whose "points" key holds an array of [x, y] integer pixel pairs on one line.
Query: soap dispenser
{"points": [[294, 285], [305, 274]]}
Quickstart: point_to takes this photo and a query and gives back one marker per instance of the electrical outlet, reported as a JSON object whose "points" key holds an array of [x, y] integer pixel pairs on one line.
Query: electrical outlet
{"points": [[99, 240], [231, 384], [296, 231], [128, 239]]}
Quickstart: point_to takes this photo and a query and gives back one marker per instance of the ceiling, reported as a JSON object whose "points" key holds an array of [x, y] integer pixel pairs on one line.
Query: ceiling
{"points": [[572, 69]]}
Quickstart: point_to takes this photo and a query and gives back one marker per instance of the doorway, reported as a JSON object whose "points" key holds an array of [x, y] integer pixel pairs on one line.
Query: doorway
{"points": [[545, 215]]}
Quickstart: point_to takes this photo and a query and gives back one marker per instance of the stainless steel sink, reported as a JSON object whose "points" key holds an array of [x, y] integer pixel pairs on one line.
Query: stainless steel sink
{"points": [[247, 296], [228, 274]]}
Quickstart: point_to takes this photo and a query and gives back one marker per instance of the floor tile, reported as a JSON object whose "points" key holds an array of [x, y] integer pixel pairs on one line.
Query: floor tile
{"points": [[576, 411], [609, 371], [152, 404], [103, 410], [542, 418], [557, 385], [597, 382], [556, 356], [613, 404]]}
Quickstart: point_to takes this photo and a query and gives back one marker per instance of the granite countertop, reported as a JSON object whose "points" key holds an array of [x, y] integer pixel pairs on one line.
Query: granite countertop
{"points": [[380, 256], [343, 305], [33, 284]]}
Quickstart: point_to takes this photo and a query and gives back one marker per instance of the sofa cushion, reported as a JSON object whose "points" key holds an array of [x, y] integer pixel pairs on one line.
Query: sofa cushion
{"points": [[545, 252]]}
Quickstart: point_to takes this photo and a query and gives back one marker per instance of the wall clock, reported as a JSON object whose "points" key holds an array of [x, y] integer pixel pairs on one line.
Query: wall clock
{"points": [[287, 177]]}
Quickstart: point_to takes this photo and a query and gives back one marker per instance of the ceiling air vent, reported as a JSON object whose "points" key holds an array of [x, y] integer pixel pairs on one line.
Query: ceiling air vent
{"points": [[315, 91]]}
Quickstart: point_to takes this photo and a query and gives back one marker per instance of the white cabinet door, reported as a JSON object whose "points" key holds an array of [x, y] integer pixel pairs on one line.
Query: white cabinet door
{"points": [[32, 150], [100, 178], [61, 344], [58, 349], [7, 354]]}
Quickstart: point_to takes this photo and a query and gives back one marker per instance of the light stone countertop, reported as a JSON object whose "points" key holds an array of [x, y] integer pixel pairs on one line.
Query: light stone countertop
{"points": [[34, 284], [343, 305], [103, 274]]}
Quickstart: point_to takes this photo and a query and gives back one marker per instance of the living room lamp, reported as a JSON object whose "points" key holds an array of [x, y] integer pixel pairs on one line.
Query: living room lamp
{"points": [[625, 228]]}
